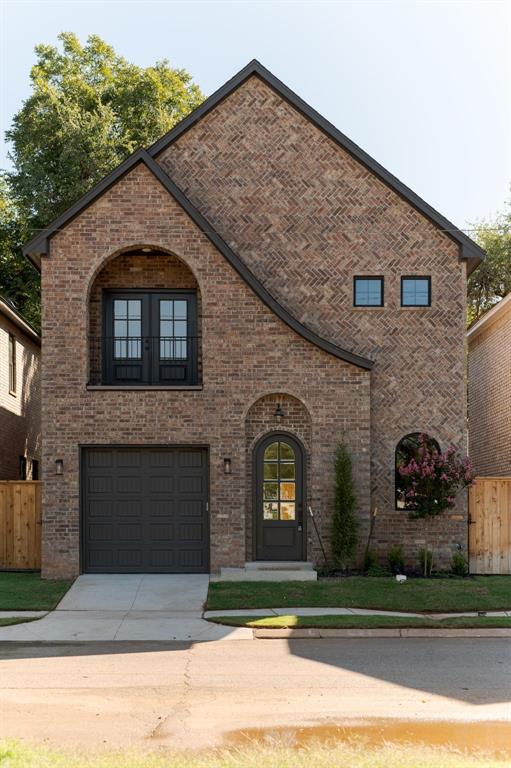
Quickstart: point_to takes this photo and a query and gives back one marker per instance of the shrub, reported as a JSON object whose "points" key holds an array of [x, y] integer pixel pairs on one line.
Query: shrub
{"points": [[396, 559], [344, 522], [370, 560], [459, 564], [432, 479], [426, 561]]}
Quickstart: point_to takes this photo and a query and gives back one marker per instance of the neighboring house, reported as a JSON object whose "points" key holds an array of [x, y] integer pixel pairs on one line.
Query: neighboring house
{"points": [[489, 391], [20, 396], [218, 313]]}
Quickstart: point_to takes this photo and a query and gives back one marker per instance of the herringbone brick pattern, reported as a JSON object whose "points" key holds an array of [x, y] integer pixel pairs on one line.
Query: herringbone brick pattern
{"points": [[306, 217]]}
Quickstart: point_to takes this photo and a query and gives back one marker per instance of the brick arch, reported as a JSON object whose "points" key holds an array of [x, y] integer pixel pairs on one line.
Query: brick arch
{"points": [[130, 267], [260, 421]]}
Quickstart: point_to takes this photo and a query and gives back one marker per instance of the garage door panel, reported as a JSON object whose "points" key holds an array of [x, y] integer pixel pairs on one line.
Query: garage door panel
{"points": [[100, 484], [145, 510], [161, 484], [162, 532], [129, 459], [100, 459], [192, 484], [100, 532]]}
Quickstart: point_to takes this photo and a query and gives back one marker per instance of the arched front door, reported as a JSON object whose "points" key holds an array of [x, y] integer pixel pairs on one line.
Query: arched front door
{"points": [[278, 499]]}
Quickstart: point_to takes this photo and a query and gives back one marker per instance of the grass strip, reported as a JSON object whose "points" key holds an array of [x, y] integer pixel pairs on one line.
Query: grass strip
{"points": [[17, 620], [475, 593], [361, 622], [343, 755]]}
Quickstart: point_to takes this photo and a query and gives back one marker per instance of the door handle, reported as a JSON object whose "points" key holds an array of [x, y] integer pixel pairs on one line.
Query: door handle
{"points": [[300, 527]]}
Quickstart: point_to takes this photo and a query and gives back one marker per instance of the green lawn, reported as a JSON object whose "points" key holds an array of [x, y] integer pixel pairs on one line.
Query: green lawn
{"points": [[415, 595], [28, 592], [351, 755], [15, 620], [360, 622]]}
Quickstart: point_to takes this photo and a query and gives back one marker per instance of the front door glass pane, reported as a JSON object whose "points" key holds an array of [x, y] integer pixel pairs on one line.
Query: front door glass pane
{"points": [[279, 487], [127, 329]]}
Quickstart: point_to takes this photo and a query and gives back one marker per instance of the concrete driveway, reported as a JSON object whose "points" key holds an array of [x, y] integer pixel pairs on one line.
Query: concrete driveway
{"points": [[128, 607]]}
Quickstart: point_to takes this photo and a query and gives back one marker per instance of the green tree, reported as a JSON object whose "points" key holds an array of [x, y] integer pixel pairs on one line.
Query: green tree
{"points": [[344, 521], [492, 280], [19, 281], [89, 109]]}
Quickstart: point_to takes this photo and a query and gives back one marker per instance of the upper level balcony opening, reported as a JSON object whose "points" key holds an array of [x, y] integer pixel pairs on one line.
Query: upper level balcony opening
{"points": [[145, 322]]}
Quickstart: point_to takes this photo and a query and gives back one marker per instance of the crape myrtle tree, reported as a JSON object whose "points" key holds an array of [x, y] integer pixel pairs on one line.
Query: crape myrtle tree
{"points": [[89, 109]]}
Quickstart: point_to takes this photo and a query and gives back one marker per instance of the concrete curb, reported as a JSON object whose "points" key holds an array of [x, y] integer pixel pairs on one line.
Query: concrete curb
{"points": [[317, 633]]}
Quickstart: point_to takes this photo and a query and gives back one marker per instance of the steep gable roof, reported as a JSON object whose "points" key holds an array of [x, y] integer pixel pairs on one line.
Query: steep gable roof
{"points": [[39, 246], [469, 250]]}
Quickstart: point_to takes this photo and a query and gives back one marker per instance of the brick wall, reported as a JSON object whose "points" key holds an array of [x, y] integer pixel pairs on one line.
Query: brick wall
{"points": [[20, 414], [306, 217], [489, 394], [247, 353]]}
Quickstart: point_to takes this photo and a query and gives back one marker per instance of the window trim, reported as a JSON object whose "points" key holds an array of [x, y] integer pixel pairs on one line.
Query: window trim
{"points": [[416, 277], [13, 373], [381, 279]]}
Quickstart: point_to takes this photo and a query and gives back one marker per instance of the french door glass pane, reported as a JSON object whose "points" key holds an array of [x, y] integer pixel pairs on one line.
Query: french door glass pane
{"points": [[173, 330], [127, 329]]}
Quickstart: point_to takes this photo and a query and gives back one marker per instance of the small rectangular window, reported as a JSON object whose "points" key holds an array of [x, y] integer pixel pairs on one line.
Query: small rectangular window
{"points": [[35, 469], [368, 291], [415, 291], [23, 468], [12, 364]]}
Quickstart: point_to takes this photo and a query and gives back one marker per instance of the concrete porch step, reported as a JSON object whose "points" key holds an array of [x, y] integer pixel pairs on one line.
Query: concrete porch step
{"points": [[278, 565], [268, 571]]}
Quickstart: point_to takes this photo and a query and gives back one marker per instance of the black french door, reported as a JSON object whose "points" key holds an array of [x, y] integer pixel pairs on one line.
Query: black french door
{"points": [[150, 338]]}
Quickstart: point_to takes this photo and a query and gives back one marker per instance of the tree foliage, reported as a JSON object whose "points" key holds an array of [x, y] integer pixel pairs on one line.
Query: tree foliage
{"points": [[89, 109], [344, 521], [19, 281], [491, 281]]}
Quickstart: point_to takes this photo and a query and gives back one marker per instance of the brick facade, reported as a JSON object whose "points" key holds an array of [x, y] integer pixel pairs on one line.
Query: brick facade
{"points": [[247, 353], [20, 412], [305, 217], [489, 392]]}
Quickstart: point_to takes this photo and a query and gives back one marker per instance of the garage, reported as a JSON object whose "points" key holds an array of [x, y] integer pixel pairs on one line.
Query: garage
{"points": [[145, 510]]}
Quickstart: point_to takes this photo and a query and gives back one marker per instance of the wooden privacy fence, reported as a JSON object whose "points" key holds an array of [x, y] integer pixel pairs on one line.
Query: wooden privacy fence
{"points": [[489, 538], [20, 524]]}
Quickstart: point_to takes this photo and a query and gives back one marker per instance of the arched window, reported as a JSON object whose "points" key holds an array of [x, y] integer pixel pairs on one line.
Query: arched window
{"points": [[407, 449]]}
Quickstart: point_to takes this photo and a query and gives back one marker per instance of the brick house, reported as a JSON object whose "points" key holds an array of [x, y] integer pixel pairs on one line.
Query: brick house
{"points": [[218, 313], [489, 391], [20, 396]]}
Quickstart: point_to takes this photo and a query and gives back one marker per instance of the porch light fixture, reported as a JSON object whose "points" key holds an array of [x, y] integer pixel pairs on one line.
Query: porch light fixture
{"points": [[59, 466], [279, 413], [146, 250], [227, 466]]}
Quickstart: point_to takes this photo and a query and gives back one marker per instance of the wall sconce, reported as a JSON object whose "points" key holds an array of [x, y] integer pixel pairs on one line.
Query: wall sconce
{"points": [[227, 466], [279, 413], [59, 466]]}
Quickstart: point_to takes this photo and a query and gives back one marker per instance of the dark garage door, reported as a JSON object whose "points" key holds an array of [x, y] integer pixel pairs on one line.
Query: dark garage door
{"points": [[145, 510]]}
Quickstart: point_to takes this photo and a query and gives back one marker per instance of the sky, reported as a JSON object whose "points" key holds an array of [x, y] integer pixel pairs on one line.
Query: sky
{"points": [[423, 87]]}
